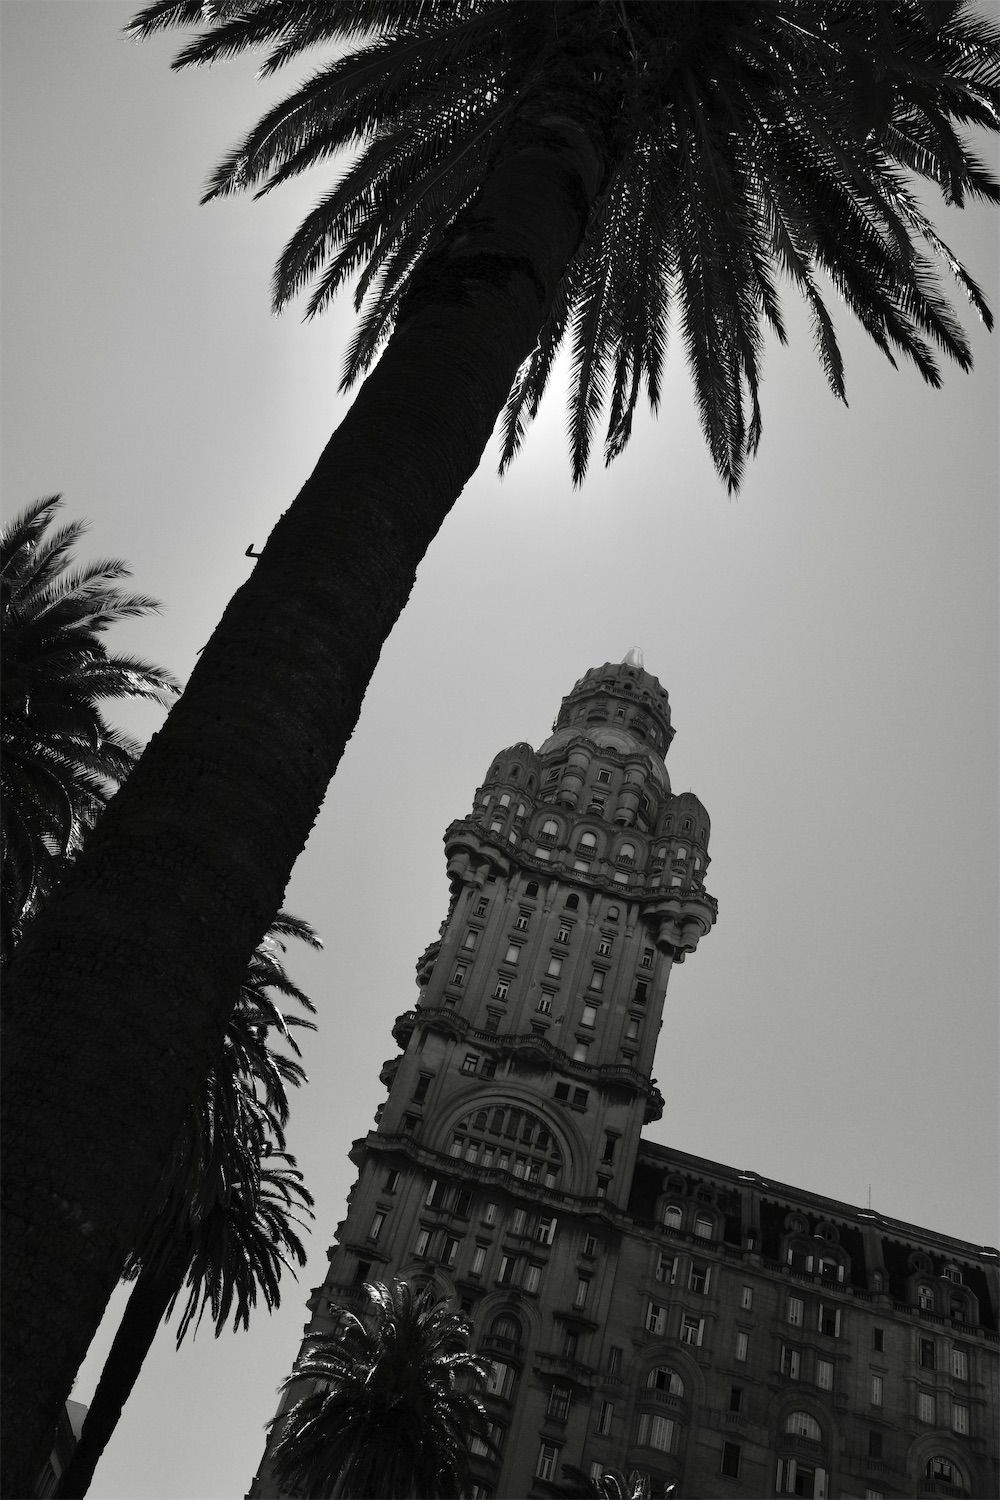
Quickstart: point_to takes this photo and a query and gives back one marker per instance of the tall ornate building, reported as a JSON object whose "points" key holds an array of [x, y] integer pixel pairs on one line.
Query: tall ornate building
{"points": [[639, 1306]]}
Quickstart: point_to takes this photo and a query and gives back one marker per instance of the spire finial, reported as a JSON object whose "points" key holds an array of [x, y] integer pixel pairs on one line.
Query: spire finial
{"points": [[634, 659]]}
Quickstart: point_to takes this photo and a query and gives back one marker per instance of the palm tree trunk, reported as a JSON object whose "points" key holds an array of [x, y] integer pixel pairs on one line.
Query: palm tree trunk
{"points": [[144, 1312], [118, 997]]}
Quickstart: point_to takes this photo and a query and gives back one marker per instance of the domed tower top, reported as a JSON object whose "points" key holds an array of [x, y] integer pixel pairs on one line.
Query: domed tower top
{"points": [[623, 696]]}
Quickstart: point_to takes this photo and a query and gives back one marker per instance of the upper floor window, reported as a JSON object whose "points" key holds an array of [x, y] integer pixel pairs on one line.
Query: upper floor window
{"points": [[672, 1216], [959, 1364], [626, 854], [549, 830], [663, 1378], [801, 1424], [945, 1471], [925, 1298], [647, 958], [613, 913], [563, 934], [656, 1432], [572, 902], [587, 844], [589, 1016], [505, 799], [604, 947], [604, 777], [796, 1310], [531, 889], [703, 1227]]}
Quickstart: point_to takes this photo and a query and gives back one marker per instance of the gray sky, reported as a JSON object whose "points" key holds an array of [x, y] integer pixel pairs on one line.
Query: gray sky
{"points": [[828, 642]]}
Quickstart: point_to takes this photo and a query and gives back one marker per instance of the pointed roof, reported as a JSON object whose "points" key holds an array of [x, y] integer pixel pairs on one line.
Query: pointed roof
{"points": [[634, 659]]}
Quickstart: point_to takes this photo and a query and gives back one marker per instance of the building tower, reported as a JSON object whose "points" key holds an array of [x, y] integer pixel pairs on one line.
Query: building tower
{"points": [[639, 1306], [504, 1154]]}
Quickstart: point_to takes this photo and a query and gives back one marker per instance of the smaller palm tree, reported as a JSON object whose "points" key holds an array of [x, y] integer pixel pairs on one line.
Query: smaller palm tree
{"points": [[61, 759], [391, 1412], [612, 1484], [224, 1221]]}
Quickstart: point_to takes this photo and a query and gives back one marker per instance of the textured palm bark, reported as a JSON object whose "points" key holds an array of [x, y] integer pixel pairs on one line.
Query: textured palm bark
{"points": [[117, 1001], [144, 1312]]}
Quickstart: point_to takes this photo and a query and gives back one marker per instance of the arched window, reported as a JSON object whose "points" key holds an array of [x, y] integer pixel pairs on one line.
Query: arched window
{"points": [[515, 773], [801, 1424], [925, 1298], [550, 828], [665, 1379], [572, 902], [505, 800], [613, 913], [506, 1327], [531, 889], [626, 854], [946, 1470], [672, 1216], [587, 844]]}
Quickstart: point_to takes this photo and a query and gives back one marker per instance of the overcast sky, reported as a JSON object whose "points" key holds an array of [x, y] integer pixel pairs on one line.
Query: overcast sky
{"points": [[828, 642]]}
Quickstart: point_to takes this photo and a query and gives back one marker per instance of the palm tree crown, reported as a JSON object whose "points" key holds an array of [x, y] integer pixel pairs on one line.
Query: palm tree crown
{"points": [[61, 759], [741, 142], [388, 1415]]}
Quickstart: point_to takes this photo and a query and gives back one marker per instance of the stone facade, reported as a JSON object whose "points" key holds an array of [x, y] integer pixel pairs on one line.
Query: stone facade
{"points": [[641, 1307]]}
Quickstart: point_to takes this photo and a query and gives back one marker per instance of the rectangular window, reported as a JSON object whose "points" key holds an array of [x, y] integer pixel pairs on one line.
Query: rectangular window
{"points": [[699, 1277], [470, 1062], [604, 948], [502, 990], [376, 1226], [571, 1343], [656, 1318], [422, 1242], [559, 1403], [492, 1020], [614, 1359], [960, 1417], [580, 1097], [606, 1418], [544, 1006], [876, 1390], [548, 1457], [796, 1309], [746, 1298], [391, 1180], [521, 922], [647, 958], [791, 1362], [505, 1274], [597, 979], [927, 1354], [420, 1092], [478, 1260], [692, 1329], [742, 1347], [490, 1213], [632, 1030], [795, 1477], [580, 1051], [555, 966], [582, 1288], [518, 1222], [736, 1398], [459, 975], [545, 1231], [589, 1016], [450, 1251], [824, 1374], [590, 1245], [666, 1268], [641, 992], [829, 1320], [878, 1340], [604, 777], [562, 934], [489, 1069], [959, 1364], [470, 938], [532, 1276], [874, 1445], [730, 1460], [512, 954], [656, 1432], [925, 1407], [481, 908]]}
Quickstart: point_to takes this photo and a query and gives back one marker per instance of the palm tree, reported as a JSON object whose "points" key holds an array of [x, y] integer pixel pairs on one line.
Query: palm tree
{"points": [[61, 759], [390, 1414], [505, 147], [225, 1216]]}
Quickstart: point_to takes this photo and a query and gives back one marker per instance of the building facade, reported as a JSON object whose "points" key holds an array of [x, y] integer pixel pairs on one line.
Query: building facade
{"points": [[639, 1307]]}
